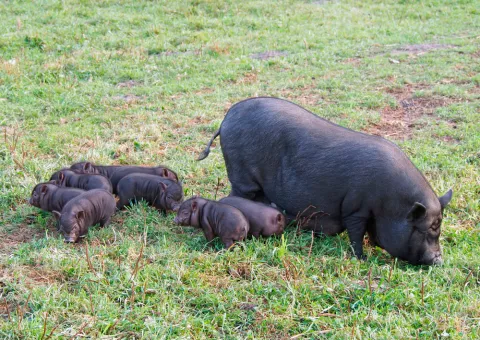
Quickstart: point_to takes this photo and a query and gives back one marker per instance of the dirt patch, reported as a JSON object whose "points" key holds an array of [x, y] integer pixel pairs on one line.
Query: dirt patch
{"points": [[176, 53], [447, 139], [305, 96], [421, 48], [399, 122], [22, 234], [268, 55], [248, 78], [128, 98], [129, 84], [352, 61]]}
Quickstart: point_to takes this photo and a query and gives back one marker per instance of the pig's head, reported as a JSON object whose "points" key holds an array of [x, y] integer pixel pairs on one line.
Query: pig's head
{"points": [[424, 226], [40, 193], [71, 225], [84, 167], [167, 173], [55, 176], [188, 212], [171, 195]]}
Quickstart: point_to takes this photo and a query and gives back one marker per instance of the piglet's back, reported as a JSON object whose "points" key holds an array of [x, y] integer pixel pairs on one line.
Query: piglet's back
{"points": [[97, 204]]}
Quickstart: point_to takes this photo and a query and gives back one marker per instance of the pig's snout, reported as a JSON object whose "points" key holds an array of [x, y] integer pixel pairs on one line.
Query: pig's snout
{"points": [[176, 207], [438, 260], [175, 220], [30, 201], [69, 239]]}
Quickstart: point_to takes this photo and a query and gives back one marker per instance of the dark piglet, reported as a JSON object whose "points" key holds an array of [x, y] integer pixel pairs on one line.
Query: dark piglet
{"points": [[80, 213], [215, 219], [56, 175], [116, 172], [263, 219], [69, 178], [50, 197], [332, 178], [157, 191]]}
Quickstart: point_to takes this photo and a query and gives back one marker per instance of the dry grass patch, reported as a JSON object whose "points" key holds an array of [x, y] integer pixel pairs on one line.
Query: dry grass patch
{"points": [[400, 121]]}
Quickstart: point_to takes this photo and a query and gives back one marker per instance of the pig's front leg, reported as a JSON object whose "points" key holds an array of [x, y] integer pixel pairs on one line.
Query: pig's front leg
{"points": [[208, 232], [356, 227], [105, 222]]}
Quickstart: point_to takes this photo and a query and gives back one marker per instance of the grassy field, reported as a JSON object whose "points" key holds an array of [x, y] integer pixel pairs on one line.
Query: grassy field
{"points": [[148, 82]]}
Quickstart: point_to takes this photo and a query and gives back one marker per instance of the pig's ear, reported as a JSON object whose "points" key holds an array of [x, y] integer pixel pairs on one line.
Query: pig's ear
{"points": [[165, 172], [44, 189], [279, 217], [88, 167], [417, 212], [80, 215], [164, 186], [61, 176], [57, 215], [194, 205], [445, 199]]}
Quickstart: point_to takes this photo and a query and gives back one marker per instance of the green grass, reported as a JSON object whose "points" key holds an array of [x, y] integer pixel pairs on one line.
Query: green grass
{"points": [[65, 71]]}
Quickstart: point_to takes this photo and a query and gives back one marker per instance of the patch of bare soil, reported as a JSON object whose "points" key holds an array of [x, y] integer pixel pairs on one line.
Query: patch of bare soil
{"points": [[421, 48], [128, 98], [248, 78], [352, 61], [129, 84], [400, 121], [178, 53], [268, 55], [22, 234], [304, 96]]}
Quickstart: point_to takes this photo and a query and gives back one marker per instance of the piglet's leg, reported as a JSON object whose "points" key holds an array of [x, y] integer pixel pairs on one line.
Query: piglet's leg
{"points": [[105, 222], [356, 227], [208, 232]]}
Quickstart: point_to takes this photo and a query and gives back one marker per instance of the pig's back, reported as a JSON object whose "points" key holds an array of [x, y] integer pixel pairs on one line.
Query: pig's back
{"points": [[300, 159]]}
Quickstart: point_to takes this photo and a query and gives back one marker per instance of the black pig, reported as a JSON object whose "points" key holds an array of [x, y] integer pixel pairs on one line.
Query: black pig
{"points": [[116, 172], [49, 197], [263, 219], [72, 179], [80, 213], [159, 192], [215, 219], [331, 177]]}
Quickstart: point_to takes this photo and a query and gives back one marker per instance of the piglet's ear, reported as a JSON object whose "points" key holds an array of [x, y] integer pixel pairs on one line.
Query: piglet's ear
{"points": [[61, 176], [88, 167], [44, 189], [279, 217], [163, 186], [80, 215], [445, 199], [194, 205], [56, 214], [165, 173], [417, 212]]}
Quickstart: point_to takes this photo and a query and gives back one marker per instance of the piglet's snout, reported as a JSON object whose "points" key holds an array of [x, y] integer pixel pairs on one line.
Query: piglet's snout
{"points": [[69, 239]]}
